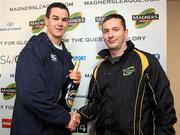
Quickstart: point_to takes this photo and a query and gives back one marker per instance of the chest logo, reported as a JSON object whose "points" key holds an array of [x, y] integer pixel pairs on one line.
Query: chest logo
{"points": [[54, 57], [128, 71]]}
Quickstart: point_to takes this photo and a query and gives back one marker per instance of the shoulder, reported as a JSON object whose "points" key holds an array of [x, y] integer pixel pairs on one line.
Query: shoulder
{"points": [[98, 65], [36, 46], [153, 62], [37, 41], [151, 57]]}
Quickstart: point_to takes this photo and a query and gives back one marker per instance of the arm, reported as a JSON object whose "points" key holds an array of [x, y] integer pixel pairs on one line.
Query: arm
{"points": [[74, 122], [33, 91], [90, 110], [164, 112]]}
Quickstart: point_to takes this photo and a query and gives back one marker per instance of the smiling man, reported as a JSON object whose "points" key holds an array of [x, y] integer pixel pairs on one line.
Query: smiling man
{"points": [[42, 69], [129, 93]]}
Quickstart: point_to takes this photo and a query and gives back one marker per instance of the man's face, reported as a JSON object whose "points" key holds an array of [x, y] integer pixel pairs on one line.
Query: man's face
{"points": [[114, 34], [57, 23]]}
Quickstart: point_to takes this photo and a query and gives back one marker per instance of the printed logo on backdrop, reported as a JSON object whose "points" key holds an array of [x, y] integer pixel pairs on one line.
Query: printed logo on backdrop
{"points": [[9, 43], [38, 24], [106, 2], [82, 128], [74, 20], [29, 7], [137, 38], [145, 18], [10, 26], [88, 75], [7, 59], [99, 19], [35, 7], [84, 39], [11, 75], [9, 92], [80, 58], [6, 123]]}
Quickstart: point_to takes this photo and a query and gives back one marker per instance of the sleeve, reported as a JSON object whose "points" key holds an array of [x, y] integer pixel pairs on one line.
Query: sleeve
{"points": [[32, 90], [164, 112], [90, 110]]}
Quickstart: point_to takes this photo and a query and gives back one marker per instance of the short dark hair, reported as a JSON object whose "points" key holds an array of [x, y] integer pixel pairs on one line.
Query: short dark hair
{"points": [[58, 5], [115, 16]]}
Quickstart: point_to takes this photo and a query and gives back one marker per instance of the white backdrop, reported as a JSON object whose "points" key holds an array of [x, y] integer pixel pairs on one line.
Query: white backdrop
{"points": [[20, 19]]}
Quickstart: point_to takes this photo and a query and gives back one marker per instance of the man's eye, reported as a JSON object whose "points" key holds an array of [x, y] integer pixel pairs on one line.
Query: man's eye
{"points": [[105, 31], [65, 20], [116, 29], [55, 18]]}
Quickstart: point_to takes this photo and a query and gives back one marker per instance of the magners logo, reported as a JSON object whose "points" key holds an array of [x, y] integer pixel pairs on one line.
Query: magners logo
{"points": [[145, 18], [99, 19], [38, 24], [9, 92], [74, 20]]}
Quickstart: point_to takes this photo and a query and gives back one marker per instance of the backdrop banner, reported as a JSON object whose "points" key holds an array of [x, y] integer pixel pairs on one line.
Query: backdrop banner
{"points": [[146, 23]]}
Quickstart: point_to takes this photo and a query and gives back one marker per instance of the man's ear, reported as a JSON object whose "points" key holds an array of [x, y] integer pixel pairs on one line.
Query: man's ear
{"points": [[46, 21], [126, 31]]}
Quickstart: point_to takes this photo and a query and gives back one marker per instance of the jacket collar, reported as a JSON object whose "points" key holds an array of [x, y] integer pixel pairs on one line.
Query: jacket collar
{"points": [[62, 54], [44, 38]]}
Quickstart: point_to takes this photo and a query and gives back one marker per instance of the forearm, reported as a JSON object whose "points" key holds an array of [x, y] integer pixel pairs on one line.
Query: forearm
{"points": [[88, 112]]}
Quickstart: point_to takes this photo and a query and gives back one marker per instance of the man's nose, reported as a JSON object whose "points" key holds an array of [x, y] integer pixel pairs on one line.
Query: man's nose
{"points": [[60, 22], [110, 34]]}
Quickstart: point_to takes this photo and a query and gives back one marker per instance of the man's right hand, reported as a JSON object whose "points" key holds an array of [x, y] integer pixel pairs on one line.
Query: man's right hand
{"points": [[74, 122]]}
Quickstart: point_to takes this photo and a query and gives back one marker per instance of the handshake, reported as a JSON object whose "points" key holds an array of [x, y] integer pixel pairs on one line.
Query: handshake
{"points": [[74, 121]]}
